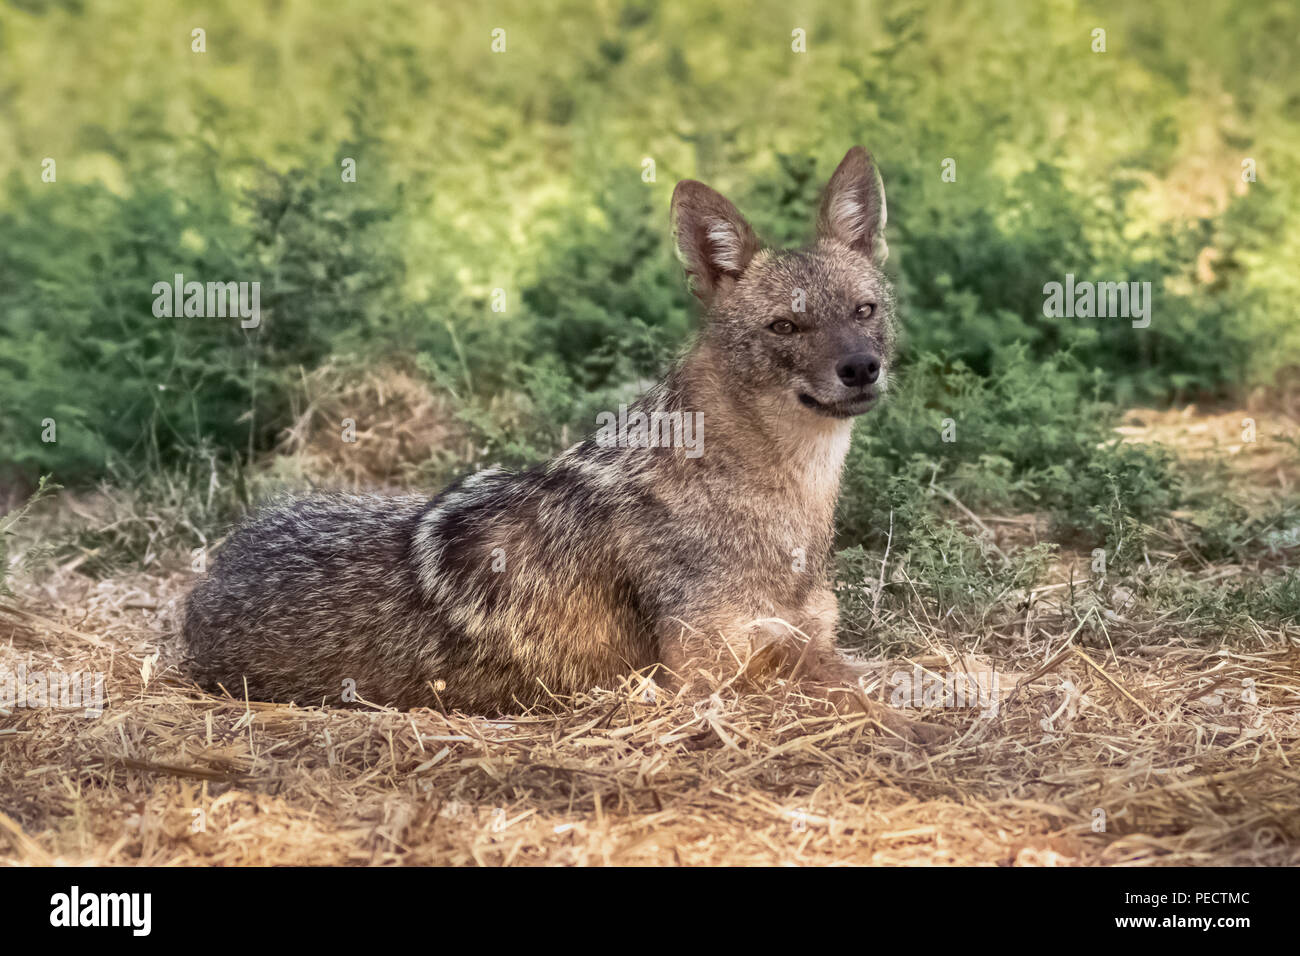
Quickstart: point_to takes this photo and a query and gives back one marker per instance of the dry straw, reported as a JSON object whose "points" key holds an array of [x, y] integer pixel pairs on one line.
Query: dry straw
{"points": [[1134, 754]]}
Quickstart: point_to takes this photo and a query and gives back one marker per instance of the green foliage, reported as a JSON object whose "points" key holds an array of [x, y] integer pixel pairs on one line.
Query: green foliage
{"points": [[1272, 599], [1111, 497], [1020, 438], [519, 179], [81, 344], [1231, 610], [11, 520], [608, 300], [946, 575], [1226, 528]]}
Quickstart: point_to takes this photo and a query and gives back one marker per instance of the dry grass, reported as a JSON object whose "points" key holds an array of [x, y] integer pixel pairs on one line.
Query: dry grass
{"points": [[396, 418], [1133, 741], [1270, 460], [1186, 767]]}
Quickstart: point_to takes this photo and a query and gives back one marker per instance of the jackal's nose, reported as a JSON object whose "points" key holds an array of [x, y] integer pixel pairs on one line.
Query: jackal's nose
{"points": [[858, 370]]}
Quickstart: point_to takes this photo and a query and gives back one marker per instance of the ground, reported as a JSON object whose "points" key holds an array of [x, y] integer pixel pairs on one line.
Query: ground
{"points": [[1140, 745]]}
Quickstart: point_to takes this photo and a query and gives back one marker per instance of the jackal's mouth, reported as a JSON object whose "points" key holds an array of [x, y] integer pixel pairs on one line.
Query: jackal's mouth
{"points": [[847, 408]]}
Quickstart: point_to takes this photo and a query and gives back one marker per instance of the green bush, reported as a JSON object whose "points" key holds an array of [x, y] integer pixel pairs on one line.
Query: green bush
{"points": [[1013, 434], [81, 344], [1112, 497], [527, 173]]}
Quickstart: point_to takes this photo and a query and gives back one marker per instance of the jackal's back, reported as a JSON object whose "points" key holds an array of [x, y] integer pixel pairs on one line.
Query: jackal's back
{"points": [[501, 589], [306, 594]]}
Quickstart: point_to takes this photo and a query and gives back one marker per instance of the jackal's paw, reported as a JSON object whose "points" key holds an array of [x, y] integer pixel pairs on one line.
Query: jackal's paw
{"points": [[774, 650], [854, 699], [832, 667], [913, 731]]}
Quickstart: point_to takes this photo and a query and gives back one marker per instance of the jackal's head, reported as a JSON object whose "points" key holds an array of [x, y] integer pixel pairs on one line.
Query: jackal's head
{"points": [[816, 324]]}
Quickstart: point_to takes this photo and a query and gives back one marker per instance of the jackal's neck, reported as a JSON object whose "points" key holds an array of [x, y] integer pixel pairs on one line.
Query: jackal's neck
{"points": [[766, 444]]}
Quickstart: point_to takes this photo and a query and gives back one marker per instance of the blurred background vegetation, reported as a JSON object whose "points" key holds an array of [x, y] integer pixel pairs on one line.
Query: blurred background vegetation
{"points": [[523, 171]]}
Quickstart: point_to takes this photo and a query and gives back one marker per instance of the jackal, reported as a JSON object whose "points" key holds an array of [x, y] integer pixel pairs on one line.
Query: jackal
{"points": [[506, 588]]}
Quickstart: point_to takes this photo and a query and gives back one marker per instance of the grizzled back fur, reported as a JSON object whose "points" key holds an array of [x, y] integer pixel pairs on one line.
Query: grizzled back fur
{"points": [[506, 589]]}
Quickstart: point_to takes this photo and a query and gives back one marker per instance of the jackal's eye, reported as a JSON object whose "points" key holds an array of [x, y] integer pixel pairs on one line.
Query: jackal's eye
{"points": [[865, 310], [782, 327]]}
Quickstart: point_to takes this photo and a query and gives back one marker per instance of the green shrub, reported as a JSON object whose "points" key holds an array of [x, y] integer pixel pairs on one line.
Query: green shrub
{"points": [[1112, 497], [81, 345]]}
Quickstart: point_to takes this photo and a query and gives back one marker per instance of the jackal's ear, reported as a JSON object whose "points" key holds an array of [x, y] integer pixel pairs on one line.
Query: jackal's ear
{"points": [[853, 208], [714, 241]]}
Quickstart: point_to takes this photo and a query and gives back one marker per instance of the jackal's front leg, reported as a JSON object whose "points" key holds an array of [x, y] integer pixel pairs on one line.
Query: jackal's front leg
{"points": [[790, 644], [831, 675], [767, 652], [709, 652], [817, 620], [793, 644]]}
